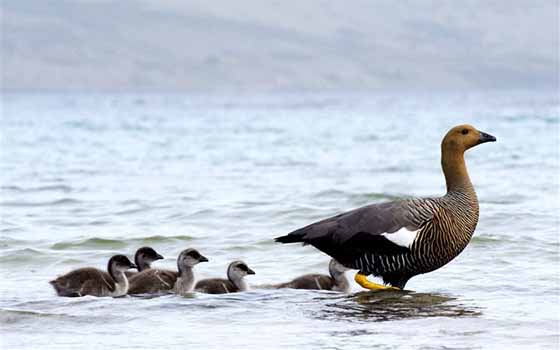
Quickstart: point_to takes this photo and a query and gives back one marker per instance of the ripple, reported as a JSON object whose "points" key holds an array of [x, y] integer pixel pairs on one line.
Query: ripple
{"points": [[162, 239], [488, 240], [46, 188], [13, 316], [376, 197], [392, 306], [53, 203], [108, 243], [21, 255], [90, 243]]}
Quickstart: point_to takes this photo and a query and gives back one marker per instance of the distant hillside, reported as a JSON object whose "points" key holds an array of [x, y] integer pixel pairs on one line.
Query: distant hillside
{"points": [[270, 45]]}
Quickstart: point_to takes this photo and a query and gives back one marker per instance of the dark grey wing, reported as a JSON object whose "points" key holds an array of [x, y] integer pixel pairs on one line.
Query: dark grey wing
{"points": [[152, 281], [215, 286], [347, 235], [72, 284], [313, 281]]}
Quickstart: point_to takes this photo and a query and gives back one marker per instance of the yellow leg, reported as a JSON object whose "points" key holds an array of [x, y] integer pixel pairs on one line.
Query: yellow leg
{"points": [[362, 280]]}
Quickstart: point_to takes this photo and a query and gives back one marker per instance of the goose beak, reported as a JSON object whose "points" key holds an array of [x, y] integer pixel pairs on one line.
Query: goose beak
{"points": [[203, 258], [250, 272], [159, 257], [484, 137]]}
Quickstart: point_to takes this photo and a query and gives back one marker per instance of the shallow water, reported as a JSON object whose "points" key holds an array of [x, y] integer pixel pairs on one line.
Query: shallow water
{"points": [[85, 176]]}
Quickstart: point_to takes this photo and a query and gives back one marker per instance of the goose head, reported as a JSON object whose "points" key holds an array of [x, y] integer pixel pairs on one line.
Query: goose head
{"points": [[119, 264], [189, 258], [462, 137], [237, 270], [145, 256]]}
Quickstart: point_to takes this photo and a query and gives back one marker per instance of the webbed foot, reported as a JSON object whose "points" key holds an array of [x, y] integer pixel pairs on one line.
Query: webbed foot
{"points": [[362, 280]]}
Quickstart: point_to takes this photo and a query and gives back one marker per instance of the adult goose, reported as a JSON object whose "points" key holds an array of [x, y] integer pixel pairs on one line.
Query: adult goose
{"points": [[91, 281], [236, 272], [143, 259], [153, 281], [337, 280], [398, 240]]}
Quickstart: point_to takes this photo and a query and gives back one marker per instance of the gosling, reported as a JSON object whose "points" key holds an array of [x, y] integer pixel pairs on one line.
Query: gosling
{"points": [[336, 281], [235, 282], [92, 281], [143, 259], [157, 281]]}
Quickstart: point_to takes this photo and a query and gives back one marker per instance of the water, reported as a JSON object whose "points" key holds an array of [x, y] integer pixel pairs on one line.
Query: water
{"points": [[85, 176]]}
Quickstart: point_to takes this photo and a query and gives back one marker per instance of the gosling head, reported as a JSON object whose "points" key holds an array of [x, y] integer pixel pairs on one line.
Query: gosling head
{"points": [[336, 268], [145, 256], [237, 270], [189, 258], [120, 263], [463, 137]]}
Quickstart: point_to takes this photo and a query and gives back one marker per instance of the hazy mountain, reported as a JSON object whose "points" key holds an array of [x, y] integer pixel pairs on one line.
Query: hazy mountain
{"points": [[266, 45]]}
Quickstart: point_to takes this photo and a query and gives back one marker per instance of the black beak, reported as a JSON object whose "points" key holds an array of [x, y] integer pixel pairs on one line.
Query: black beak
{"points": [[484, 137], [133, 266], [203, 258], [159, 257], [250, 272]]}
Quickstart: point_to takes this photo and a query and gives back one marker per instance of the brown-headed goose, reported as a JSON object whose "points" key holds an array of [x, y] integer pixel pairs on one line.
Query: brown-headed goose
{"points": [[92, 281], [401, 239], [152, 281], [235, 282], [337, 280], [143, 259]]}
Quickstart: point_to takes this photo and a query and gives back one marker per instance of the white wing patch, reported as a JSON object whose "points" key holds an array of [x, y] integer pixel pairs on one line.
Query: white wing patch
{"points": [[402, 237]]}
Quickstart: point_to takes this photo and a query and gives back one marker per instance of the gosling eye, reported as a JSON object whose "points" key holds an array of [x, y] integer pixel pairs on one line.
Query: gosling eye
{"points": [[465, 131]]}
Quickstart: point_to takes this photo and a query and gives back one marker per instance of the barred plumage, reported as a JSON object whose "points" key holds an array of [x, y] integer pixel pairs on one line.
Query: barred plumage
{"points": [[401, 239]]}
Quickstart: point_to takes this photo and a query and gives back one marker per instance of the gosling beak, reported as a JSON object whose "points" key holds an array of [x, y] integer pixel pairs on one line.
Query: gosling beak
{"points": [[133, 266], [250, 272], [203, 258], [159, 257], [484, 137]]}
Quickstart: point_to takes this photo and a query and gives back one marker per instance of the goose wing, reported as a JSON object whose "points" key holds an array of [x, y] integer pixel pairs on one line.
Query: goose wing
{"points": [[385, 228], [152, 281], [72, 283], [215, 286]]}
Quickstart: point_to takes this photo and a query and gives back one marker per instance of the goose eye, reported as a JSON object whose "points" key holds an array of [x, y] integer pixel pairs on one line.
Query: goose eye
{"points": [[465, 131]]}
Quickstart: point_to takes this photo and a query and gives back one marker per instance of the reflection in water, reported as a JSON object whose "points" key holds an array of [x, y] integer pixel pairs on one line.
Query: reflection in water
{"points": [[394, 305]]}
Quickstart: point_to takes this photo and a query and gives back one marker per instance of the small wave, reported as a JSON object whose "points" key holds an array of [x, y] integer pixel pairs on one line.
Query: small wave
{"points": [[108, 243], [331, 193], [267, 242], [240, 248], [47, 188], [161, 239], [11, 316], [358, 197], [87, 125], [8, 230], [377, 196], [488, 240], [9, 242], [90, 243], [133, 211], [200, 213], [57, 202], [21, 255]]}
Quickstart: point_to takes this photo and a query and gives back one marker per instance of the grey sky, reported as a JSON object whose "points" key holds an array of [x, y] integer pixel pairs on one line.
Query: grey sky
{"points": [[257, 45]]}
